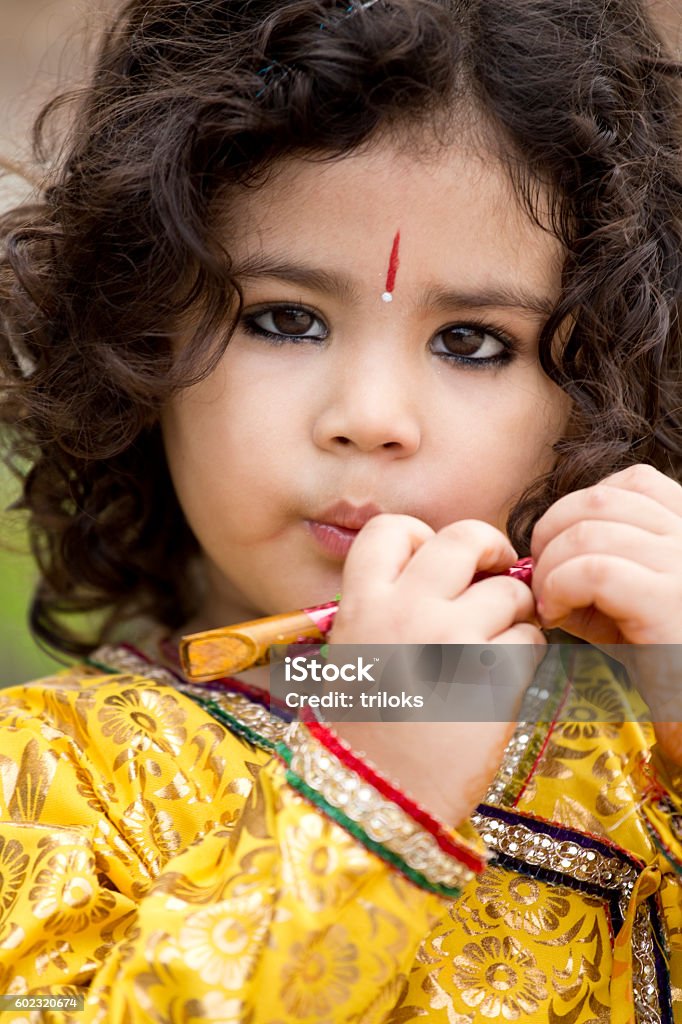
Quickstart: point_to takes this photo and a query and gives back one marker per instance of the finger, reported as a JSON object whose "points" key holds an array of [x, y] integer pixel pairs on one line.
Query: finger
{"points": [[381, 549], [493, 605], [592, 625], [646, 480], [629, 594], [607, 503], [653, 551], [444, 567]]}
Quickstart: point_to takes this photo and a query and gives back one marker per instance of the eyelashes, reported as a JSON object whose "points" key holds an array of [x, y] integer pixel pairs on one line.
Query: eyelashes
{"points": [[469, 342], [285, 323], [472, 343]]}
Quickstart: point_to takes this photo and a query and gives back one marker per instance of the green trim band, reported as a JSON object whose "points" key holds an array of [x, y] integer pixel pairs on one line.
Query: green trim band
{"points": [[302, 787], [105, 668], [451, 892], [285, 753], [233, 723]]}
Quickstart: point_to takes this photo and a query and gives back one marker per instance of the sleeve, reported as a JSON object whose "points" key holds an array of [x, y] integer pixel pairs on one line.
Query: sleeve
{"points": [[308, 904]]}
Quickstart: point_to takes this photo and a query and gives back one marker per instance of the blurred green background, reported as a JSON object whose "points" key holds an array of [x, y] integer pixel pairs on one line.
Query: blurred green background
{"points": [[20, 658]]}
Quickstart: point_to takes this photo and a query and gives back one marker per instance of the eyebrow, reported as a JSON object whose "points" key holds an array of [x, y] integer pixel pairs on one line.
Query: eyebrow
{"points": [[341, 286], [499, 296]]}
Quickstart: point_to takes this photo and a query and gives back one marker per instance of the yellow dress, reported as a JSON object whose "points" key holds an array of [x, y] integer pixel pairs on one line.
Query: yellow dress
{"points": [[173, 854]]}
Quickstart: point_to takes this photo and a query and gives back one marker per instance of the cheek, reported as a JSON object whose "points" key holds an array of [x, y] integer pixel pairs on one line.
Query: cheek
{"points": [[209, 426], [499, 448], [253, 401], [537, 427], [193, 431], [554, 411], [224, 454]]}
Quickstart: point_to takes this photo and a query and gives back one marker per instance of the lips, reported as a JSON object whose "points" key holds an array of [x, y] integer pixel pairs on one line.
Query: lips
{"points": [[347, 516], [337, 526]]}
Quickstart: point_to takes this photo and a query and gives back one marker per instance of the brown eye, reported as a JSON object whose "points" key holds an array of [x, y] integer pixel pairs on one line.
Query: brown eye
{"points": [[292, 323], [469, 343]]}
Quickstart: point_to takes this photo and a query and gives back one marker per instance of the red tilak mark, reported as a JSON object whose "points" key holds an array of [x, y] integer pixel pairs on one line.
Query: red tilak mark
{"points": [[393, 265]]}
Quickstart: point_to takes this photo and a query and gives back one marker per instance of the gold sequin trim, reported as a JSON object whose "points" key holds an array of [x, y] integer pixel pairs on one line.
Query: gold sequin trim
{"points": [[127, 661], [647, 1005], [543, 850], [540, 704], [254, 716], [380, 818], [503, 785]]}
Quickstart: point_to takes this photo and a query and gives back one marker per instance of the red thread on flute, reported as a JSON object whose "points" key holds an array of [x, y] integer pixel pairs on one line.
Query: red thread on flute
{"points": [[393, 266]]}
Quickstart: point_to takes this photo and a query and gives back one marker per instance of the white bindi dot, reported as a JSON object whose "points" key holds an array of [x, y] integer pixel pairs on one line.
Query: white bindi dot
{"points": [[387, 297]]}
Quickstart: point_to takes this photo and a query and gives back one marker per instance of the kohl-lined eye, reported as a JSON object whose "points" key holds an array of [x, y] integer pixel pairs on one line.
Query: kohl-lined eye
{"points": [[471, 343], [285, 323]]}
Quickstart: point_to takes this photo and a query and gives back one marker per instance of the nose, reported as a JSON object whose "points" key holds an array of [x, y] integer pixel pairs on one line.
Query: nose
{"points": [[369, 405]]}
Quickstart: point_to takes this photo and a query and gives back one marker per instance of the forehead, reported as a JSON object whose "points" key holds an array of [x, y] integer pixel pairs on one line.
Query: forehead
{"points": [[455, 206]]}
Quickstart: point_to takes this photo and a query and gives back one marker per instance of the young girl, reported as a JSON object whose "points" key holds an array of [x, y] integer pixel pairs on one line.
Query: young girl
{"points": [[366, 298]]}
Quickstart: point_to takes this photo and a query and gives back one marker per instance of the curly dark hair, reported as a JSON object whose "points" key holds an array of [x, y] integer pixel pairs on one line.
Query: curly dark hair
{"points": [[188, 99]]}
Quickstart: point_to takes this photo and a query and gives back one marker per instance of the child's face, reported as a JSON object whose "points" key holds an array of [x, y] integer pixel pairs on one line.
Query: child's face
{"points": [[432, 405]]}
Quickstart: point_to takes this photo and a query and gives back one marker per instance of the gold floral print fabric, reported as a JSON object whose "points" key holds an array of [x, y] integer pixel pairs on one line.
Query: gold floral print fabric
{"points": [[155, 861]]}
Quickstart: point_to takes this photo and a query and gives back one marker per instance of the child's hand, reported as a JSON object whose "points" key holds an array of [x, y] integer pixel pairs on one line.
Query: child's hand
{"points": [[609, 569], [608, 560], [403, 583]]}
